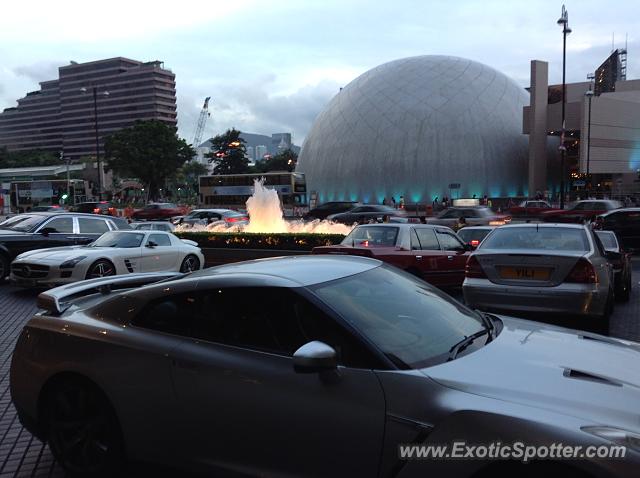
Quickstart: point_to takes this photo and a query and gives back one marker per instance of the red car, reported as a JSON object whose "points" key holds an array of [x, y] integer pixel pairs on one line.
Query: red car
{"points": [[155, 211], [581, 211], [530, 207], [433, 253]]}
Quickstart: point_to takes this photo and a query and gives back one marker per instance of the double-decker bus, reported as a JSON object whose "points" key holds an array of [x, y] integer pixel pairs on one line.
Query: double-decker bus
{"points": [[25, 195], [232, 190]]}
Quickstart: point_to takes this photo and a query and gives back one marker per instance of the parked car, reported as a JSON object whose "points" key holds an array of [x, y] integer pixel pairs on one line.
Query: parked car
{"points": [[433, 253], [581, 211], [157, 211], [368, 213], [621, 262], [96, 207], [474, 216], [340, 357], [153, 226], [530, 208], [204, 217], [541, 268], [113, 253], [473, 235], [41, 230], [626, 224], [329, 208]]}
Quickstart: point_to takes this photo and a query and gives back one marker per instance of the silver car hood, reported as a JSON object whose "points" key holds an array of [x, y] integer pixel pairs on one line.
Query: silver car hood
{"points": [[575, 373], [57, 253]]}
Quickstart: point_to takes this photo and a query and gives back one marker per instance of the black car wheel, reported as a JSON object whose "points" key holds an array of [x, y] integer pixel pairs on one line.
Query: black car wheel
{"points": [[101, 268], [82, 430], [190, 263]]}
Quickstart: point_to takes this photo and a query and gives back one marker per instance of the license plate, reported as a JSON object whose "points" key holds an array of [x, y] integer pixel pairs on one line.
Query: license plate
{"points": [[525, 273], [26, 282]]}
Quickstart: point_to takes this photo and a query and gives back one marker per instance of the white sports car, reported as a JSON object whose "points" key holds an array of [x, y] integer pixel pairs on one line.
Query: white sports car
{"points": [[115, 252]]}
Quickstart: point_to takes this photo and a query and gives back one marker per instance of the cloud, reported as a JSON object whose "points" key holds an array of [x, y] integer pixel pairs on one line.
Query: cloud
{"points": [[39, 71]]}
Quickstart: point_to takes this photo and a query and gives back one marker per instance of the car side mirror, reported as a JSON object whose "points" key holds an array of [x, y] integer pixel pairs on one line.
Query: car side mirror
{"points": [[314, 357], [47, 230], [151, 244]]}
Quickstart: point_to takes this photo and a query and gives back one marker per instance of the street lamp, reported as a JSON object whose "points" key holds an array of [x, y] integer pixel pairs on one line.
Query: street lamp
{"points": [[95, 115], [589, 95], [564, 21]]}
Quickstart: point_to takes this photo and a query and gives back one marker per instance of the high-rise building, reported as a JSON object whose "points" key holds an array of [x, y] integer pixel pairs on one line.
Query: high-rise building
{"points": [[280, 142], [261, 150], [60, 115]]}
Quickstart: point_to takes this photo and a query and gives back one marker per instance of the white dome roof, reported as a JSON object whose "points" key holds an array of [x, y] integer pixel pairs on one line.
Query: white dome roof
{"points": [[413, 126]]}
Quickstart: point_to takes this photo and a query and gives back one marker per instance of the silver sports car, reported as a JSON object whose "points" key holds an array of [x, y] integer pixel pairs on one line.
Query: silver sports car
{"points": [[114, 252], [541, 268], [313, 366]]}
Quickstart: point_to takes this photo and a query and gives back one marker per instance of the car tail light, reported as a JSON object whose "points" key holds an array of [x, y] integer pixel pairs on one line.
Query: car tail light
{"points": [[233, 219], [96, 210], [473, 270], [583, 273], [474, 242]]}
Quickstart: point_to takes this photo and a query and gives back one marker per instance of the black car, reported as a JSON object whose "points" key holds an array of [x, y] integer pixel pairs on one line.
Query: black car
{"points": [[366, 214], [329, 208], [626, 224], [96, 207], [41, 230], [621, 262]]}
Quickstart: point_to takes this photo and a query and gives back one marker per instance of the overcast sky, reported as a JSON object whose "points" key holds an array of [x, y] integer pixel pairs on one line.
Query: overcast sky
{"points": [[271, 66]]}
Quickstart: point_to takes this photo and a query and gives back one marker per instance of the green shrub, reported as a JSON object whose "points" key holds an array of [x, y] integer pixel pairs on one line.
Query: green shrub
{"points": [[253, 240]]}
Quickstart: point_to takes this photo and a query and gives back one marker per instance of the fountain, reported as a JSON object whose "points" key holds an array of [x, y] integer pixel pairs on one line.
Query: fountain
{"points": [[266, 216]]}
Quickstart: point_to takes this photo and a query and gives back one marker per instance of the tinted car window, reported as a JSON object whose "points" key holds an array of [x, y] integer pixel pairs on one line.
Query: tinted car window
{"points": [[468, 234], [276, 320], [63, 225], [448, 242], [427, 239], [92, 226], [608, 239], [543, 238], [372, 235], [159, 239]]}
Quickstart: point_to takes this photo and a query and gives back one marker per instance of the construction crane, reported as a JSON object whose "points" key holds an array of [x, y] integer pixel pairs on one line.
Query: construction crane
{"points": [[204, 114]]}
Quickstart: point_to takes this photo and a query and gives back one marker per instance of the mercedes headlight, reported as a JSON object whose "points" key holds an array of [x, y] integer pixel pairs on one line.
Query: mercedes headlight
{"points": [[618, 436], [71, 263]]}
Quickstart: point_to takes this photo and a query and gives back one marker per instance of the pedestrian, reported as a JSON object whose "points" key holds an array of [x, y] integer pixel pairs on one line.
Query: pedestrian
{"points": [[401, 202], [393, 200], [461, 223], [484, 200]]}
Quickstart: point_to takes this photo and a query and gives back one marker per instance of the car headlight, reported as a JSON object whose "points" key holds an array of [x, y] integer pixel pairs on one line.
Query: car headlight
{"points": [[71, 263], [616, 435]]}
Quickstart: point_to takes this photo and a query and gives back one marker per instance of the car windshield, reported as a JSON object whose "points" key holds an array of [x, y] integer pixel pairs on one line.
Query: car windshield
{"points": [[539, 238], [372, 236], [407, 319], [119, 239], [22, 223]]}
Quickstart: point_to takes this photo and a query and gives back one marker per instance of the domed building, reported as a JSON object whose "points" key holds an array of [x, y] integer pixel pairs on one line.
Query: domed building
{"points": [[416, 126]]}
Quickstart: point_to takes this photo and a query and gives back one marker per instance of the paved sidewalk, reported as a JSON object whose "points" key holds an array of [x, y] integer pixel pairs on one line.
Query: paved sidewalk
{"points": [[21, 455]]}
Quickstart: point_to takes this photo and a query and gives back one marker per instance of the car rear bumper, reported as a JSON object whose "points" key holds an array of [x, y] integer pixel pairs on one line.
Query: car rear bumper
{"points": [[574, 299]]}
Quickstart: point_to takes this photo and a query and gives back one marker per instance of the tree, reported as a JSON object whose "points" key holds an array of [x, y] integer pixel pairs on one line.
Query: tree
{"points": [[284, 161], [26, 159], [187, 178], [229, 153], [149, 151]]}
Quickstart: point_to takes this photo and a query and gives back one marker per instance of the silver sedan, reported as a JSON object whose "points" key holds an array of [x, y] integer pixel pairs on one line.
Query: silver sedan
{"points": [[541, 268], [312, 366]]}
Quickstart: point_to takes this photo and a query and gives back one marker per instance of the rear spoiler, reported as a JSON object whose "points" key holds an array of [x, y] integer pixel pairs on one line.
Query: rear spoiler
{"points": [[59, 299]]}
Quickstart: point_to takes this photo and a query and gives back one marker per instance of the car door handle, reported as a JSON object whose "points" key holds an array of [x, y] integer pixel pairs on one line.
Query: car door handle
{"points": [[418, 258], [81, 238], [450, 258]]}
